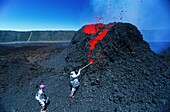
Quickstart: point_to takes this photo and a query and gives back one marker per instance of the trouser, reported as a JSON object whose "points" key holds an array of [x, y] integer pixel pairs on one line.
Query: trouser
{"points": [[42, 104], [73, 90]]}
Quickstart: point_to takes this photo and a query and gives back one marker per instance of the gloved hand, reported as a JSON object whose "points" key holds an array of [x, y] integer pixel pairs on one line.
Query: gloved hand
{"points": [[44, 100]]}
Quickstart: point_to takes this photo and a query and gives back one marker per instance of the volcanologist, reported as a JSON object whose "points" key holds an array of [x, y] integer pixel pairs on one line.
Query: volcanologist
{"points": [[74, 80], [42, 98]]}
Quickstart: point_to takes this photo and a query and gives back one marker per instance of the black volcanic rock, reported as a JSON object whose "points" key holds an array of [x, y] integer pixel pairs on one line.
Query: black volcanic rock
{"points": [[125, 76]]}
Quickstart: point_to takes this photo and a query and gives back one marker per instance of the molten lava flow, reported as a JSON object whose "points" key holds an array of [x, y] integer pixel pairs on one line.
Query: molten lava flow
{"points": [[101, 29], [91, 60], [95, 40], [92, 29], [89, 54]]}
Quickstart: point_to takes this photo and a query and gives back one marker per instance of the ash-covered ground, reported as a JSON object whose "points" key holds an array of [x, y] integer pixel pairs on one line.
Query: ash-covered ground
{"points": [[126, 75]]}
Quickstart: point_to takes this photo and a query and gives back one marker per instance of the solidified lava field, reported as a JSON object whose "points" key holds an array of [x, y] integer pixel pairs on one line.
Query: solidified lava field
{"points": [[126, 76]]}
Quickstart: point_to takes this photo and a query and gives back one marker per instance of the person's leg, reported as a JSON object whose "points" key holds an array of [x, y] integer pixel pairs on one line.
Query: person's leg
{"points": [[72, 92], [42, 103]]}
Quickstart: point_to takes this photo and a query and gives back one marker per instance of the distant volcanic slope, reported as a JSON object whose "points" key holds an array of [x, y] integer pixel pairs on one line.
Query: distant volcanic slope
{"points": [[125, 75]]}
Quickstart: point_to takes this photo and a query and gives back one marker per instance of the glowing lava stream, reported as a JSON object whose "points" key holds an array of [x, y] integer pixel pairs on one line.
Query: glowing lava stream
{"points": [[94, 29], [95, 40]]}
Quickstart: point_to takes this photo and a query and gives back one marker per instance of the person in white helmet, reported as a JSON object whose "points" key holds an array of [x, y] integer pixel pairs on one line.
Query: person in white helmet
{"points": [[42, 98], [74, 80]]}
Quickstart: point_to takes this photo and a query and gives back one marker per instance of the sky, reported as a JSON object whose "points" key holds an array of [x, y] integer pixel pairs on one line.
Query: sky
{"points": [[41, 14], [73, 14]]}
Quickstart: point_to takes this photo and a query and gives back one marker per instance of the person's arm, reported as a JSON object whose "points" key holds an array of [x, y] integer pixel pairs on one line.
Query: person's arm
{"points": [[79, 72], [36, 97]]}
